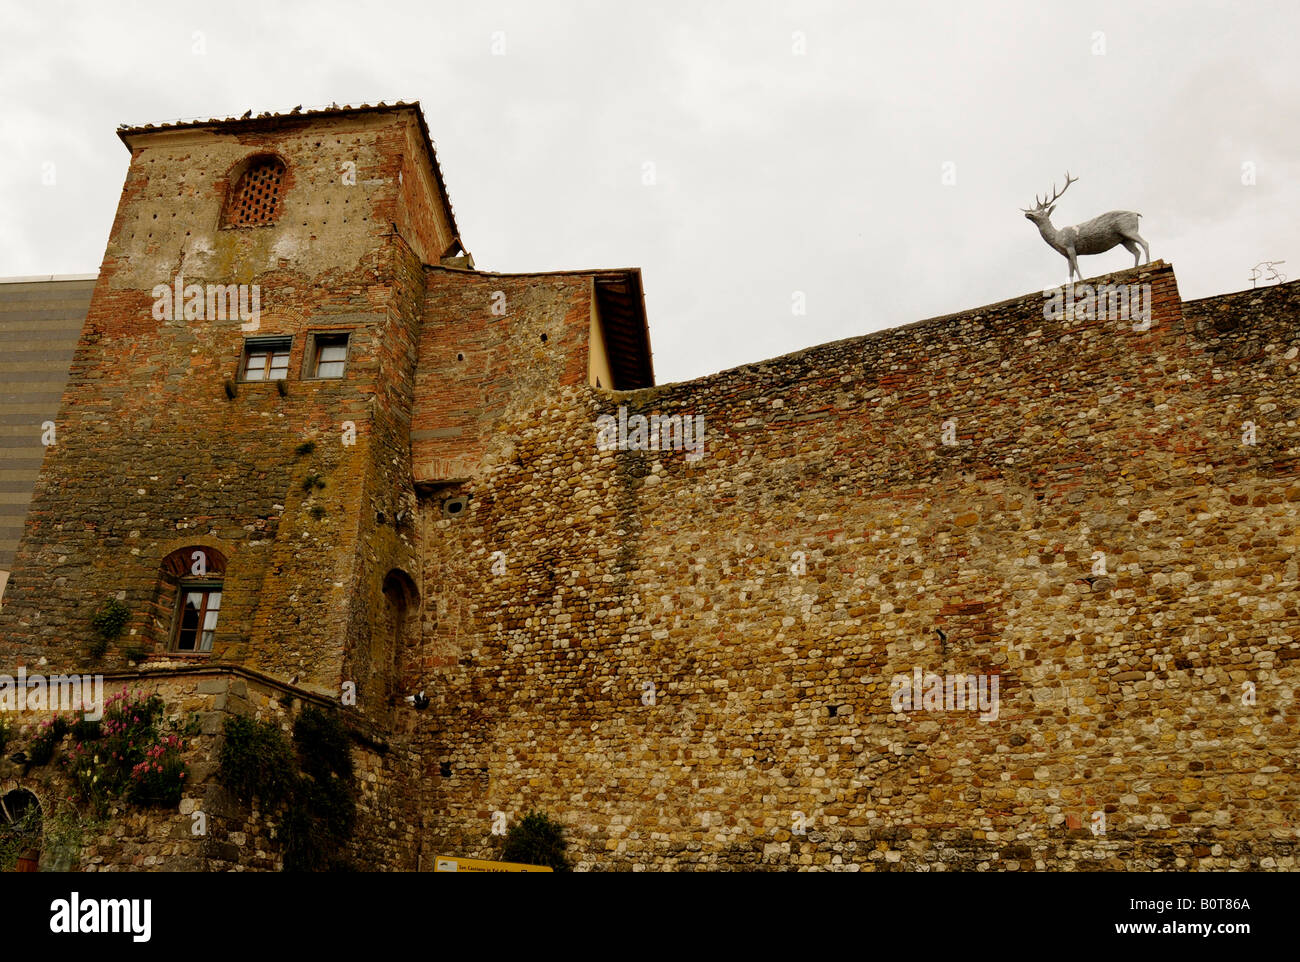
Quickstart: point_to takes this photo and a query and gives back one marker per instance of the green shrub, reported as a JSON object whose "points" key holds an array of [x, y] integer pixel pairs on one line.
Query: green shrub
{"points": [[536, 839], [19, 837], [57, 833], [110, 619], [159, 779], [310, 787], [324, 808], [255, 760], [322, 744], [108, 623]]}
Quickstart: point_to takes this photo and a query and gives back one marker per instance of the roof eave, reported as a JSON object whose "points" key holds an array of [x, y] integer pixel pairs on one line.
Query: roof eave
{"points": [[126, 135]]}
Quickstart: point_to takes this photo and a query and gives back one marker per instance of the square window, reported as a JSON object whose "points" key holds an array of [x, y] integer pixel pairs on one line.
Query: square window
{"points": [[266, 359], [328, 355]]}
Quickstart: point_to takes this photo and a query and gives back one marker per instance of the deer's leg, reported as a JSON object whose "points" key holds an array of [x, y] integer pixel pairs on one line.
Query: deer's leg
{"points": [[1132, 248], [1132, 239], [1074, 264]]}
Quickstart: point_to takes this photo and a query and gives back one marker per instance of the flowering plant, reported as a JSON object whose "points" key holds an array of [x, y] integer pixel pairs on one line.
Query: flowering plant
{"points": [[127, 755]]}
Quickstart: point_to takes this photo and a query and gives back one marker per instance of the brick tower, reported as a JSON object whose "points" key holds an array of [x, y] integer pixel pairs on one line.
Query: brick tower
{"points": [[235, 421], [288, 365]]}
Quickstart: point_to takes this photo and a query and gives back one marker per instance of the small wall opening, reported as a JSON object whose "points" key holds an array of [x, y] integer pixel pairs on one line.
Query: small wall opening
{"points": [[395, 639], [255, 199]]}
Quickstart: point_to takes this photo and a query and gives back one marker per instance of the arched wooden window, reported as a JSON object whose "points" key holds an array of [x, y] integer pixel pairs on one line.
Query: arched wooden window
{"points": [[255, 199], [191, 583]]}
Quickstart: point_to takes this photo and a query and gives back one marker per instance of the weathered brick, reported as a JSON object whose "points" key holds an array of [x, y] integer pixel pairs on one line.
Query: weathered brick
{"points": [[690, 663]]}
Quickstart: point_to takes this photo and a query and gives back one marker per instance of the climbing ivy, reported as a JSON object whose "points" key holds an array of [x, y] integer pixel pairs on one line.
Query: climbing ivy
{"points": [[308, 788], [108, 623]]}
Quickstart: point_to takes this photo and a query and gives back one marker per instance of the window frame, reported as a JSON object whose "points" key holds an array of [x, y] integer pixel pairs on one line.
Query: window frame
{"points": [[311, 356], [265, 341], [184, 587]]}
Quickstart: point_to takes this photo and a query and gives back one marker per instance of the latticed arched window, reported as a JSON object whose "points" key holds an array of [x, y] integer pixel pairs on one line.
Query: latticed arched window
{"points": [[255, 201]]}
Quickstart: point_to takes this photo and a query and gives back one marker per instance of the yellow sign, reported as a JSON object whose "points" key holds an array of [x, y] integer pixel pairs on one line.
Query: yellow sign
{"points": [[445, 863]]}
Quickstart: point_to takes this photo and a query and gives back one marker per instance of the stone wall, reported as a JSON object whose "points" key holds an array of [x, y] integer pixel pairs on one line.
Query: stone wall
{"points": [[691, 662], [211, 830], [1154, 686], [690, 657], [491, 345]]}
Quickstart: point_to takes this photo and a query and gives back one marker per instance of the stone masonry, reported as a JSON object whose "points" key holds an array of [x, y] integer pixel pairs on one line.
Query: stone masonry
{"points": [[689, 657]]}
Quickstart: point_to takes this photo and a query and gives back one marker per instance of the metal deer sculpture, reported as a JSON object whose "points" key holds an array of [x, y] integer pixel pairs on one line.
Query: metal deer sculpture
{"points": [[1094, 236]]}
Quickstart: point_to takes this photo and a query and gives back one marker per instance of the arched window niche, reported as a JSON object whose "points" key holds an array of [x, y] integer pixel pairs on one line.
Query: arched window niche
{"points": [[191, 584], [257, 189], [394, 640]]}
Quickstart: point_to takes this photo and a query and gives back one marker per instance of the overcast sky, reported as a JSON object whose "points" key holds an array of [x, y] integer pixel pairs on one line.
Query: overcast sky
{"points": [[796, 147]]}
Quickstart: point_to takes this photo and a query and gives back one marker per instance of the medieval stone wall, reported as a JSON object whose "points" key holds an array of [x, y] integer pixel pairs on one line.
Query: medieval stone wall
{"points": [[692, 656], [211, 829], [691, 663]]}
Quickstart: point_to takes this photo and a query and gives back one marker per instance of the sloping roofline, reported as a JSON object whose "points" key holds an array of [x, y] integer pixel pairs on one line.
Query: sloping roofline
{"points": [[265, 120]]}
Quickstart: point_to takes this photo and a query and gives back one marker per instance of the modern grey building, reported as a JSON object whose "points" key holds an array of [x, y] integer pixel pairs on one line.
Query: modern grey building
{"points": [[40, 321]]}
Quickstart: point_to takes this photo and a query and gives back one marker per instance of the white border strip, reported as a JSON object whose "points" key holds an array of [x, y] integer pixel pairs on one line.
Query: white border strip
{"points": [[39, 278]]}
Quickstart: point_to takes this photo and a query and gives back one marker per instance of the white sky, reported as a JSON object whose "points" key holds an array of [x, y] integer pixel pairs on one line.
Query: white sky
{"points": [[775, 172]]}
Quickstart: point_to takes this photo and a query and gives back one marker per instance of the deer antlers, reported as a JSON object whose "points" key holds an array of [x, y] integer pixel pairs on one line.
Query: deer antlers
{"points": [[1043, 205]]}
